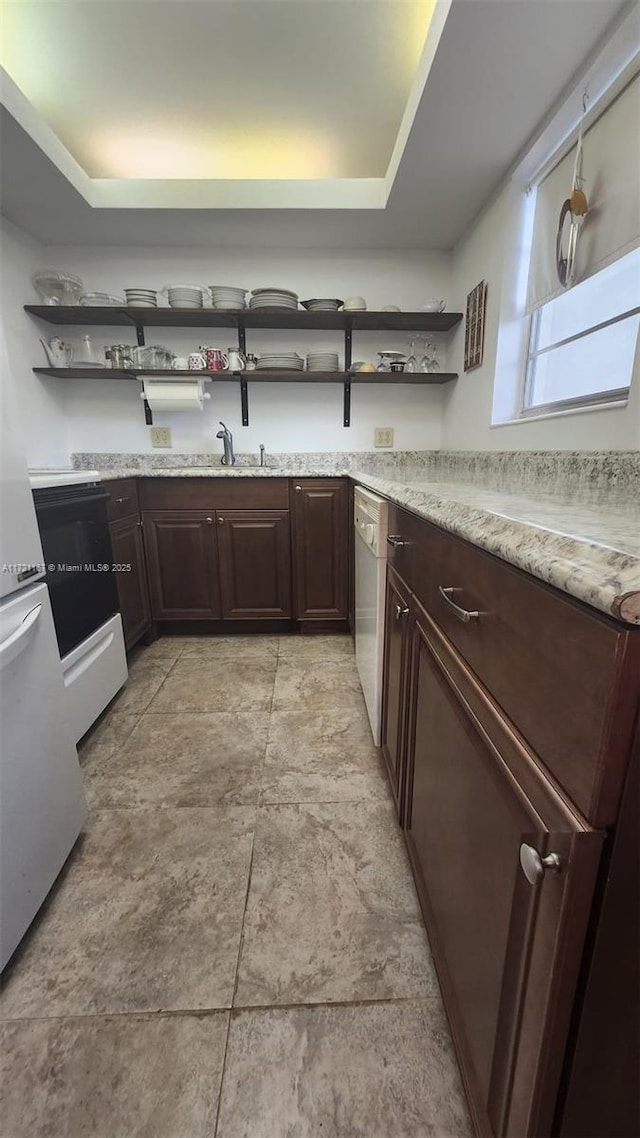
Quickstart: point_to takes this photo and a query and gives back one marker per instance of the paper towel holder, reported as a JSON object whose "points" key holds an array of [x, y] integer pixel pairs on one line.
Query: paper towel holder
{"points": [[170, 378]]}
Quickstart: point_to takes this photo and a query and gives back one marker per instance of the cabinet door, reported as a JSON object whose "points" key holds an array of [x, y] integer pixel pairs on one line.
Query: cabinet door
{"points": [[396, 641], [507, 951], [255, 563], [183, 564], [321, 548], [131, 578]]}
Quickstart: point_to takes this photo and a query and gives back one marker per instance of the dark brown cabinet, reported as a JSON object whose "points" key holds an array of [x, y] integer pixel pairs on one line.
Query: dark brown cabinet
{"points": [[131, 578], [182, 564], [508, 721], [321, 545], [396, 642], [507, 951], [130, 570], [254, 548]]}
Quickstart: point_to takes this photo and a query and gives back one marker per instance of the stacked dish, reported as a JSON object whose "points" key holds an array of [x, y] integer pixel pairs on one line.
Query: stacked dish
{"points": [[355, 304], [224, 296], [185, 296], [141, 297], [280, 361], [322, 361], [100, 300], [322, 305], [273, 298]]}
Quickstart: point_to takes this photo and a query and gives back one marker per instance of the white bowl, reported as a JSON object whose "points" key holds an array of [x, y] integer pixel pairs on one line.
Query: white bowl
{"points": [[355, 304], [434, 306]]}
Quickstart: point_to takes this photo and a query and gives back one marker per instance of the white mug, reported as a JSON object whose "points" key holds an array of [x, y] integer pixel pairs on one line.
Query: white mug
{"points": [[180, 363]]}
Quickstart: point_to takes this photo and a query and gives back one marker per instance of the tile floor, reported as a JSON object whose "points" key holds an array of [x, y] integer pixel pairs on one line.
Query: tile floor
{"points": [[235, 947]]}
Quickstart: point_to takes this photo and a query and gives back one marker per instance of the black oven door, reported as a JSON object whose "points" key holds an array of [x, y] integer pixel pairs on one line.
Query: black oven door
{"points": [[74, 530]]}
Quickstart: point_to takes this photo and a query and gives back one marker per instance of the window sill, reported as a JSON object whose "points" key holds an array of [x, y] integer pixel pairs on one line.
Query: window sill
{"points": [[609, 406]]}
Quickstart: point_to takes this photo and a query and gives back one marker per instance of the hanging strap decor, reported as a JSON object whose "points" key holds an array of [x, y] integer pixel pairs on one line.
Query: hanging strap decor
{"points": [[574, 210]]}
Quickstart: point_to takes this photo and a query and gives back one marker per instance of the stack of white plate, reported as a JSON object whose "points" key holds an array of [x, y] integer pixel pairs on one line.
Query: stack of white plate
{"points": [[322, 361], [281, 361], [100, 300], [273, 298], [141, 297], [322, 305], [185, 296], [224, 296]]}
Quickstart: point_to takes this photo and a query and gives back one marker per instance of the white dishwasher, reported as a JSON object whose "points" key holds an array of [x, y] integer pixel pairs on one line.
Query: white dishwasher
{"points": [[370, 515]]}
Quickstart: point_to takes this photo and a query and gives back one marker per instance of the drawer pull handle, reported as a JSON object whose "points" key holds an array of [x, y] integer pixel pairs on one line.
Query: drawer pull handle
{"points": [[465, 615], [401, 611], [534, 867], [395, 540], [125, 499]]}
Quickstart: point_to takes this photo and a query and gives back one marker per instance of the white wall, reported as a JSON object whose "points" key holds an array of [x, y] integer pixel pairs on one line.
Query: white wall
{"points": [[490, 253], [108, 416], [41, 402]]}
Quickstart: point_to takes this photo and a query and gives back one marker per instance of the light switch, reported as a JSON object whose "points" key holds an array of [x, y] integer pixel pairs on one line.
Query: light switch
{"points": [[383, 436]]}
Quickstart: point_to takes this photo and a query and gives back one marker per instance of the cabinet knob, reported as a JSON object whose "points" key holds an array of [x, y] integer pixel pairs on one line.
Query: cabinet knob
{"points": [[534, 867], [401, 611], [395, 540], [208, 520], [298, 489], [220, 521]]}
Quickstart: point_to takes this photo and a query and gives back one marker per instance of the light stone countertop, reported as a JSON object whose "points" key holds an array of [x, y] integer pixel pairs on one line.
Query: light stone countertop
{"points": [[570, 519], [585, 542]]}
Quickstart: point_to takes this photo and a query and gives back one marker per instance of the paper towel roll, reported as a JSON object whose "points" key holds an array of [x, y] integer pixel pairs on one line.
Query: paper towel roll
{"points": [[183, 395]]}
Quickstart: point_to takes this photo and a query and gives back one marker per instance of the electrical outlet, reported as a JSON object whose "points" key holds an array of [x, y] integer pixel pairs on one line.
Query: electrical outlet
{"points": [[383, 436], [161, 437]]}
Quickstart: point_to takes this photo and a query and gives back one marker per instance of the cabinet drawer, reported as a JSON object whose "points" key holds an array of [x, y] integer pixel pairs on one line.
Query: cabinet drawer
{"points": [[123, 498], [214, 493], [563, 675]]}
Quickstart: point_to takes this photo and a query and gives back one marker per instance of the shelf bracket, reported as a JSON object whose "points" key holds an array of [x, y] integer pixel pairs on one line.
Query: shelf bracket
{"points": [[242, 340], [244, 401], [346, 421], [148, 414], [347, 348]]}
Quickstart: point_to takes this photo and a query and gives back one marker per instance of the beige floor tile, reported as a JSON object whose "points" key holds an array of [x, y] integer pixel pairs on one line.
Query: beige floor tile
{"points": [[322, 757], [307, 685], [315, 647], [164, 652], [375, 1071], [145, 679], [146, 917], [240, 648], [332, 912], [112, 1077], [204, 685], [184, 759], [107, 735]]}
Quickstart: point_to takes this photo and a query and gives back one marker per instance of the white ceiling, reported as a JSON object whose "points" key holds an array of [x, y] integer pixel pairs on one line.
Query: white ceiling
{"points": [[500, 65], [219, 88]]}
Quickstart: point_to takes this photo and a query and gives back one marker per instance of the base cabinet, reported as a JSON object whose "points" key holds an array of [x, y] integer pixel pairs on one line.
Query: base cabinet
{"points": [[507, 951], [131, 578], [321, 548], [182, 563], [254, 548]]}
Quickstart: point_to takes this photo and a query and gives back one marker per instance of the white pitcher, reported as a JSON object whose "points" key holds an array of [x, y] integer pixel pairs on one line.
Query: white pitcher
{"points": [[236, 360]]}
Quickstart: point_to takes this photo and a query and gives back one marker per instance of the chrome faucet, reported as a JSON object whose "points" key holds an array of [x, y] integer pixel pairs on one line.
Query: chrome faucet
{"points": [[228, 458], [262, 462]]}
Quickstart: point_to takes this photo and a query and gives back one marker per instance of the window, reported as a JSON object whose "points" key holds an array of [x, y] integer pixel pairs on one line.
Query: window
{"points": [[583, 343]]}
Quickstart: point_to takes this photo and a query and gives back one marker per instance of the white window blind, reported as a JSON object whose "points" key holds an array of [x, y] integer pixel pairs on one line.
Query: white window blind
{"points": [[611, 168]]}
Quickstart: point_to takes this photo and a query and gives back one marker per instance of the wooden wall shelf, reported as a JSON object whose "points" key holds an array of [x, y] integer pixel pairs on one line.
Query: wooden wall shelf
{"points": [[262, 318], [251, 376], [345, 322]]}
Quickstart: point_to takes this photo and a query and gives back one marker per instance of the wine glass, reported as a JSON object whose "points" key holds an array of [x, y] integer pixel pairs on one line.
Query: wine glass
{"points": [[411, 364], [429, 362]]}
